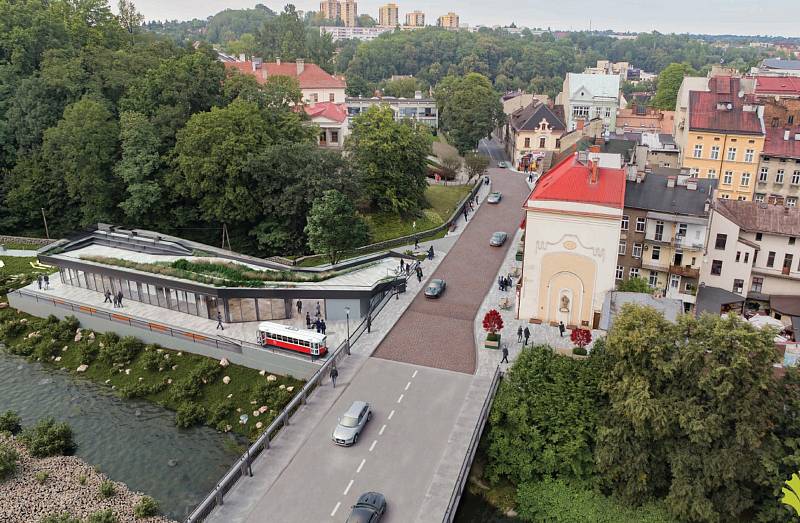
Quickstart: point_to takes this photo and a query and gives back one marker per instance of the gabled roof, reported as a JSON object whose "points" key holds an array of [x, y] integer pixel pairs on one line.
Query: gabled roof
{"points": [[599, 85], [761, 217], [331, 111], [311, 77], [528, 118], [775, 145], [704, 114], [780, 85], [569, 181]]}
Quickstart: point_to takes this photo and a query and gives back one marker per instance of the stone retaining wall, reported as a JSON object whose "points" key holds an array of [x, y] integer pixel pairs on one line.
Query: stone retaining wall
{"points": [[23, 239]]}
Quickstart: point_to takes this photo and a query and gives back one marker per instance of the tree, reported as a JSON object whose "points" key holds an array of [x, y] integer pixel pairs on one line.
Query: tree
{"points": [[451, 164], [476, 164], [470, 109], [402, 87], [581, 337], [492, 322], [357, 86], [283, 36], [390, 158], [129, 18], [139, 168], [365, 20], [334, 226], [634, 285], [669, 82]]}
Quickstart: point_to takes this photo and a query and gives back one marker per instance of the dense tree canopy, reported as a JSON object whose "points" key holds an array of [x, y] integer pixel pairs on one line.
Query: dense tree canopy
{"points": [[334, 226], [469, 108], [669, 82]]}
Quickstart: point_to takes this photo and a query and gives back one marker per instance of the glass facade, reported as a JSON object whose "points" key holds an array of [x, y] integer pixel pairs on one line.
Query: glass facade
{"points": [[188, 302]]}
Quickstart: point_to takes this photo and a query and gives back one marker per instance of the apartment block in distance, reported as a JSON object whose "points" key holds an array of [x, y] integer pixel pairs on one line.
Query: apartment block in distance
{"points": [[448, 21], [330, 9], [389, 15], [415, 19], [349, 10], [725, 137]]}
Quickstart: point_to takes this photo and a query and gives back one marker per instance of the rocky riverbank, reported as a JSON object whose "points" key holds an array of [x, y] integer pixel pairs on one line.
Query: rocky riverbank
{"points": [[61, 484]]}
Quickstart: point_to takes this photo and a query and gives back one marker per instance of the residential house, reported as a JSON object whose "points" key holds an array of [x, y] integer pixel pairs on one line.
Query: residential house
{"points": [[779, 169], [331, 118], [663, 231], [531, 132], [752, 250], [587, 96], [655, 150], [780, 97], [641, 119], [315, 84], [680, 130], [417, 109], [726, 137], [572, 221], [520, 99]]}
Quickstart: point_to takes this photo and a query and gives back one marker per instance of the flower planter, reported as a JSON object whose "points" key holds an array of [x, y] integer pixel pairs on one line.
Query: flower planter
{"points": [[535, 321], [492, 342]]}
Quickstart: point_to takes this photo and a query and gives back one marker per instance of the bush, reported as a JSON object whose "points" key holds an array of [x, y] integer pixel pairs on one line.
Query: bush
{"points": [[41, 477], [120, 352], [64, 517], [189, 414], [140, 390], [8, 461], [48, 438], [103, 516], [185, 390], [219, 411], [10, 422], [146, 508], [151, 360], [11, 330], [107, 489], [208, 370], [87, 352], [579, 351]]}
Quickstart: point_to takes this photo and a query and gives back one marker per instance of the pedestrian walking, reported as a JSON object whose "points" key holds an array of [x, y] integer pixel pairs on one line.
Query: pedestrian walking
{"points": [[416, 244], [465, 214], [408, 269], [527, 334], [402, 265], [369, 323], [39, 280], [519, 334], [318, 310], [334, 375], [108, 297], [318, 325], [501, 282], [219, 321], [430, 252], [419, 275], [119, 299], [299, 307], [308, 320], [322, 326], [561, 328], [46, 282], [505, 355]]}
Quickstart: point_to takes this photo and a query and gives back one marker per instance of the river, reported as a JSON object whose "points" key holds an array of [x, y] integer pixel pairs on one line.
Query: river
{"points": [[131, 441]]}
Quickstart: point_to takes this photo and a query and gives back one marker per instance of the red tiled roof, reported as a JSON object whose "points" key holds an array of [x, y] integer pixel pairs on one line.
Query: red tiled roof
{"points": [[775, 145], [569, 181], [704, 115], [329, 110], [312, 77], [785, 85]]}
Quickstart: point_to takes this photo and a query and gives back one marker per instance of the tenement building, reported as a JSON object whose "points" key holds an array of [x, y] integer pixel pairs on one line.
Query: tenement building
{"points": [[779, 170]]}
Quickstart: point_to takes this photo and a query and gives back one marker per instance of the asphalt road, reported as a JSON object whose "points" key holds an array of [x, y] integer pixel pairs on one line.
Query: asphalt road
{"points": [[396, 454]]}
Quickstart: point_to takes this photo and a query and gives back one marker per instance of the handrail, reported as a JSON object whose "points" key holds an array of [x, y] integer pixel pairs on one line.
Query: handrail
{"points": [[243, 465], [463, 473]]}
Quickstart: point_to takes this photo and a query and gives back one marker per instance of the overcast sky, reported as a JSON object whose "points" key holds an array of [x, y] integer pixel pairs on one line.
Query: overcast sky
{"points": [[752, 17]]}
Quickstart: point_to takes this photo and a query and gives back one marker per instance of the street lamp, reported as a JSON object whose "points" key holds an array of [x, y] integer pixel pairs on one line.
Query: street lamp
{"points": [[347, 314]]}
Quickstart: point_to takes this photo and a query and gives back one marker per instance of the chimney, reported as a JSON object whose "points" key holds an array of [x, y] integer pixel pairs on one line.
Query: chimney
{"points": [[301, 65], [593, 166], [671, 181], [786, 134], [242, 57]]}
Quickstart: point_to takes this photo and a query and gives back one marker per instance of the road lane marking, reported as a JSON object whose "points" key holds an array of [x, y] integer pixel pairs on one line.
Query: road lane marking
{"points": [[400, 398], [415, 374], [373, 445], [339, 504], [348, 487], [380, 432], [361, 465], [408, 385], [390, 415]]}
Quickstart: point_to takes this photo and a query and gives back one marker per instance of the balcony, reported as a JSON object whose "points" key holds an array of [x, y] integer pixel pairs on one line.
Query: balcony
{"points": [[654, 266], [684, 271], [682, 242]]}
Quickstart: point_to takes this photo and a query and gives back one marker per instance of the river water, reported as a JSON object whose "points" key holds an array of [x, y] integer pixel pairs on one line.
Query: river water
{"points": [[131, 441]]}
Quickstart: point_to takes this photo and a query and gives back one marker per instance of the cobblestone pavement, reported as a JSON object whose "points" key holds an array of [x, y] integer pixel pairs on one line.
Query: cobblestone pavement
{"points": [[439, 333]]}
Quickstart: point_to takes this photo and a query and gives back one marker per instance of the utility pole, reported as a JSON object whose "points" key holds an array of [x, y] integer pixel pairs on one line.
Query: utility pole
{"points": [[44, 218]]}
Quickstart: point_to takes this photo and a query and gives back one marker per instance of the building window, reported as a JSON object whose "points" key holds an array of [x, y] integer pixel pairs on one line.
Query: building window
{"points": [[738, 286], [716, 267], [693, 172], [542, 142], [637, 250], [748, 155], [745, 180], [698, 150], [779, 176], [623, 246], [715, 152], [746, 257], [720, 242], [759, 236], [758, 197], [314, 97], [791, 201], [725, 196], [580, 111], [659, 234], [652, 280], [620, 272], [527, 143], [624, 224], [792, 240], [738, 256], [682, 228], [762, 174], [712, 174], [634, 272], [727, 179], [742, 198], [758, 283], [640, 224], [731, 154], [655, 253], [771, 259], [674, 281], [796, 178], [334, 136], [608, 112], [331, 97], [787, 263]]}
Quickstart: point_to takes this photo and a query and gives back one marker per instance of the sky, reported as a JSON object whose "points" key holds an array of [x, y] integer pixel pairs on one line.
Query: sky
{"points": [[746, 17]]}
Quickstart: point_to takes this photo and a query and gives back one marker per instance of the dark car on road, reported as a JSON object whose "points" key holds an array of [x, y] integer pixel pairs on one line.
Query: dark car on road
{"points": [[494, 197], [498, 239], [435, 288], [369, 508]]}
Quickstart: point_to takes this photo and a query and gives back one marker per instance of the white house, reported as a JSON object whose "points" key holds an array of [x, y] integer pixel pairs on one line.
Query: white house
{"points": [[587, 96]]}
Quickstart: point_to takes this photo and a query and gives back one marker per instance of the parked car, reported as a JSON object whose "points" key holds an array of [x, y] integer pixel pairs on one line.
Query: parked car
{"points": [[352, 423], [494, 197], [435, 288], [498, 239], [502, 165], [369, 508]]}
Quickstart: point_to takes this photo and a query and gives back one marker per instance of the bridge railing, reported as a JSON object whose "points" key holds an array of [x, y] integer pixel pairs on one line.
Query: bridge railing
{"points": [[463, 473], [243, 466]]}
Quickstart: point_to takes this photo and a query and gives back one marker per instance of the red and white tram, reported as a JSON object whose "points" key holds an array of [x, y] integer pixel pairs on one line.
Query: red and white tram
{"points": [[292, 338]]}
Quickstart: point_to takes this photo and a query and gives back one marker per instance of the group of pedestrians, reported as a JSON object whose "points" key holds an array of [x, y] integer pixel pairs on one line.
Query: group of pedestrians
{"points": [[43, 280], [114, 299], [504, 282], [523, 334], [319, 322]]}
